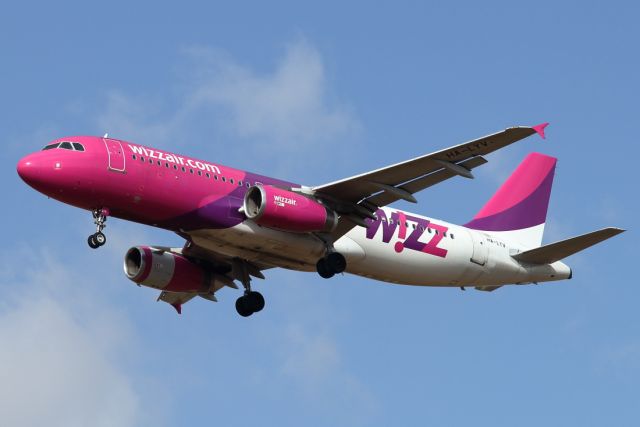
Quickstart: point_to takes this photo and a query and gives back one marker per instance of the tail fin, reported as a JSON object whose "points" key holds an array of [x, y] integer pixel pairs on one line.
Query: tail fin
{"points": [[518, 210]]}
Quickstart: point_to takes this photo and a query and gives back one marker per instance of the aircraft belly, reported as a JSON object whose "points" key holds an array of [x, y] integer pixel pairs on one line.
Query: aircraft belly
{"points": [[297, 251]]}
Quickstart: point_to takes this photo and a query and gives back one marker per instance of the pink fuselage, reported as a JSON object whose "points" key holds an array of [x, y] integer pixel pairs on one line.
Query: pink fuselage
{"points": [[141, 184]]}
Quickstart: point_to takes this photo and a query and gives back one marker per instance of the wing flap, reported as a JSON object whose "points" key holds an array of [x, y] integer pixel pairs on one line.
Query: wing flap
{"points": [[553, 252], [419, 184]]}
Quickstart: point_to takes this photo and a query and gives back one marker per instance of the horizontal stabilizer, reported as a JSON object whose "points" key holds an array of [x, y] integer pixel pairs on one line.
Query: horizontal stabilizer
{"points": [[553, 252]]}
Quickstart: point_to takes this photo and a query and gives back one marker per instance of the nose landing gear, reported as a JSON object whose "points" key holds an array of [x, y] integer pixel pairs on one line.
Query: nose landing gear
{"points": [[99, 219]]}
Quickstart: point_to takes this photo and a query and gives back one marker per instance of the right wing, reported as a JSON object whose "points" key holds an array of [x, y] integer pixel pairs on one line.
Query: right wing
{"points": [[357, 197]]}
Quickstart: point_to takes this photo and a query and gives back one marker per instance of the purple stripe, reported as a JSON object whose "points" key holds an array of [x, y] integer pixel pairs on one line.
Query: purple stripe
{"points": [[223, 213], [529, 212]]}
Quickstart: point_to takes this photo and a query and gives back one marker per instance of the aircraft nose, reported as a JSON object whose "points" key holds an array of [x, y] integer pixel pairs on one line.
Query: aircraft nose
{"points": [[28, 169]]}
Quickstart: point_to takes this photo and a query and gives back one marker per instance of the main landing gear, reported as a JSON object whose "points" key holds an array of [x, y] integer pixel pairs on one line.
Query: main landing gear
{"points": [[331, 264], [252, 301], [99, 219]]}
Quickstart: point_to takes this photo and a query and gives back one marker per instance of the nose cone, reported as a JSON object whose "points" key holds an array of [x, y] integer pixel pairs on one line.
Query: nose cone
{"points": [[29, 169]]}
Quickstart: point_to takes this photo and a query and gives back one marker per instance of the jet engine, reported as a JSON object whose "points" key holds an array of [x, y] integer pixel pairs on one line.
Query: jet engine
{"points": [[167, 271], [287, 211]]}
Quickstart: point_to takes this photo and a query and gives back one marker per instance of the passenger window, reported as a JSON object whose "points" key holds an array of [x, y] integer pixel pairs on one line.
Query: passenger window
{"points": [[451, 235], [207, 175], [159, 163], [231, 180], [183, 169], [166, 165], [248, 185], [190, 170], [429, 230], [78, 146], [133, 156], [66, 146], [50, 146], [444, 234], [175, 167], [240, 183], [224, 179], [199, 173], [141, 159], [150, 161], [215, 177]]}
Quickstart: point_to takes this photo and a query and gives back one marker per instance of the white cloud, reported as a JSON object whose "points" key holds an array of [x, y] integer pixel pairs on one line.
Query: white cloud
{"points": [[61, 355], [288, 106]]}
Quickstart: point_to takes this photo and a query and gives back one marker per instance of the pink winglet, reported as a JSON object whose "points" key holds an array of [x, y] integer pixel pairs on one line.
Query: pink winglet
{"points": [[540, 129], [178, 307]]}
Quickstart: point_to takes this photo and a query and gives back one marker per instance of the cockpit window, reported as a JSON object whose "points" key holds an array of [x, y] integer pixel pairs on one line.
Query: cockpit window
{"points": [[78, 146], [50, 146], [66, 146]]}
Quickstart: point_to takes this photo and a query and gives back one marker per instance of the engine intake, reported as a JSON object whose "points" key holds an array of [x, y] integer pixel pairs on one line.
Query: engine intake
{"points": [[287, 211], [167, 271]]}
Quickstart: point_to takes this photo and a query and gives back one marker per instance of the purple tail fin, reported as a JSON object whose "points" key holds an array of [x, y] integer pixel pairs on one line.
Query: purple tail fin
{"points": [[522, 201]]}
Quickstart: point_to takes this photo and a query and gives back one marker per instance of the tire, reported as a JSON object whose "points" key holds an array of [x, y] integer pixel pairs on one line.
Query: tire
{"points": [[256, 301], [336, 262], [100, 238], [242, 307], [323, 269], [92, 243]]}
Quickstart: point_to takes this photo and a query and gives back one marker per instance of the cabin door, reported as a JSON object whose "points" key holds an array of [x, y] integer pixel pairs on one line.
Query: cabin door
{"points": [[116, 155]]}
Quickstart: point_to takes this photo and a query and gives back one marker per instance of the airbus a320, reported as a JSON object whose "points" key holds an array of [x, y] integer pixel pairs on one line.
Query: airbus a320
{"points": [[237, 224]]}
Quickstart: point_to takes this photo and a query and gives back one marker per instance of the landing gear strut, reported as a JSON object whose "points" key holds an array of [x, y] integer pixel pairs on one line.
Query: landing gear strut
{"points": [[331, 264], [99, 219], [252, 301]]}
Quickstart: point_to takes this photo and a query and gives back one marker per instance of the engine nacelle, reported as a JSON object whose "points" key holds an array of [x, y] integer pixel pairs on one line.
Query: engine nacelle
{"points": [[166, 271], [288, 211]]}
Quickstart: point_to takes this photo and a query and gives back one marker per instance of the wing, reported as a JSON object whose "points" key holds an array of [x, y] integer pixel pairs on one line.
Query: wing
{"points": [[358, 197], [225, 271]]}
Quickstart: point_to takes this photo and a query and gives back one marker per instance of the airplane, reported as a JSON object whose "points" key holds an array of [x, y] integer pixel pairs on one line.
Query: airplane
{"points": [[238, 224]]}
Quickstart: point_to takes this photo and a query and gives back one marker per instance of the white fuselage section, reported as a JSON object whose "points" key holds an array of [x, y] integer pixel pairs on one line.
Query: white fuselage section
{"points": [[400, 247]]}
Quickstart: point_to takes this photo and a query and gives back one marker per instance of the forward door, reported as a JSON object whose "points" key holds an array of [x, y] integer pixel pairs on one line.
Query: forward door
{"points": [[116, 155]]}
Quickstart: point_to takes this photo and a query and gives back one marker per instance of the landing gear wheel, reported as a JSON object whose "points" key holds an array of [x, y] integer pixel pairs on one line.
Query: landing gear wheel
{"points": [[323, 269], [336, 262], [92, 242], [332, 264], [100, 238], [242, 307], [255, 301], [99, 219]]}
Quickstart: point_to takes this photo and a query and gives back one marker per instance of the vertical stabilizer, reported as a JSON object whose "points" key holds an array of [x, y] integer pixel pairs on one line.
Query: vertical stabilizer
{"points": [[518, 210]]}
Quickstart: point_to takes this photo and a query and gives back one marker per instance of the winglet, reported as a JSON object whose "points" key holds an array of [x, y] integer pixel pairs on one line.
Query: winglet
{"points": [[178, 307], [540, 129]]}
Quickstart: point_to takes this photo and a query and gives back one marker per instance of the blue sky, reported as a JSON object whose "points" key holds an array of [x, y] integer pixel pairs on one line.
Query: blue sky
{"points": [[313, 93]]}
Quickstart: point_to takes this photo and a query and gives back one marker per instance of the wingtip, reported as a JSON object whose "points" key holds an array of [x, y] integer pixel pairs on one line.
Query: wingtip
{"points": [[178, 307], [540, 129]]}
